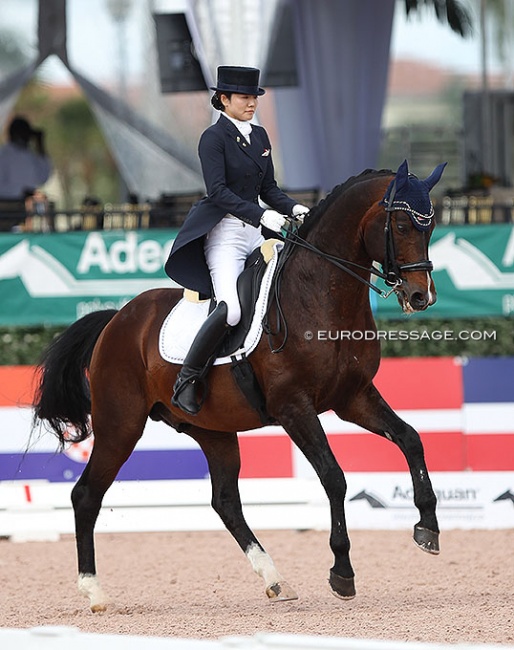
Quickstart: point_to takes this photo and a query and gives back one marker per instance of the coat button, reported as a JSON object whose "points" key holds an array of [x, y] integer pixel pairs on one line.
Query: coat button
{"points": [[260, 174]]}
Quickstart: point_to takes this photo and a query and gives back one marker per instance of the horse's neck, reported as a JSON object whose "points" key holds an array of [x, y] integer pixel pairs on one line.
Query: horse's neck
{"points": [[328, 289], [338, 233]]}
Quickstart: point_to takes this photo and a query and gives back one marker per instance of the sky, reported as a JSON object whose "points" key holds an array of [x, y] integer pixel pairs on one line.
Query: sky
{"points": [[423, 37], [92, 38]]}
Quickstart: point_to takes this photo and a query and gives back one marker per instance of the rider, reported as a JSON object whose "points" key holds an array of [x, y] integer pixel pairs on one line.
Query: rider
{"points": [[224, 227]]}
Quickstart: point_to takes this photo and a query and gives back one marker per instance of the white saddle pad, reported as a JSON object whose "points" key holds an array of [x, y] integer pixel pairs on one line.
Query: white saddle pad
{"points": [[185, 319]]}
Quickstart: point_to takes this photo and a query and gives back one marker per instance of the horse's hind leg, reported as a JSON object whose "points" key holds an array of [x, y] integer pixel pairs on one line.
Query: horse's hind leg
{"points": [[113, 445], [371, 411], [222, 453]]}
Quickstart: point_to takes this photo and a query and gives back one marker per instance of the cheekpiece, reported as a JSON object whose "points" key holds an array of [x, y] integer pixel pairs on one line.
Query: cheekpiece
{"points": [[406, 192]]}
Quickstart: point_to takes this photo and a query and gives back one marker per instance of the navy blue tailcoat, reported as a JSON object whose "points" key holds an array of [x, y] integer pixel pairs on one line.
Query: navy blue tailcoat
{"points": [[236, 174]]}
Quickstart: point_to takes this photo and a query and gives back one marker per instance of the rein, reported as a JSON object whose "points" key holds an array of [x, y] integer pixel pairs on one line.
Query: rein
{"points": [[291, 240], [391, 273]]}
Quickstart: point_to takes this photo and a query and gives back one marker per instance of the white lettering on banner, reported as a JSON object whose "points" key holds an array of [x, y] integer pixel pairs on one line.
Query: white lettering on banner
{"points": [[125, 255], [150, 256], [94, 253]]}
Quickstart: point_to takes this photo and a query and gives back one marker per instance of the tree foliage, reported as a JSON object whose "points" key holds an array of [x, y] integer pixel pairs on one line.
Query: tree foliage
{"points": [[452, 12], [80, 156]]}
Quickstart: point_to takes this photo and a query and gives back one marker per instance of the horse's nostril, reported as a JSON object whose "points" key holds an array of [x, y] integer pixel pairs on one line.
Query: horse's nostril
{"points": [[418, 300]]}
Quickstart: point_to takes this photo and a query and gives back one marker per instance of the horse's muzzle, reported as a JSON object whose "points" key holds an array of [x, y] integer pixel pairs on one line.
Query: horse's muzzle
{"points": [[414, 298]]}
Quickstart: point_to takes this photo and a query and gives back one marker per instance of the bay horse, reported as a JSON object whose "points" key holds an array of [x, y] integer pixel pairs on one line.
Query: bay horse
{"points": [[105, 374]]}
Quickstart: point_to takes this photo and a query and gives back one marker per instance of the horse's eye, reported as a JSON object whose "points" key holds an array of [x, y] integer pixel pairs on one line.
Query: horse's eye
{"points": [[402, 228]]}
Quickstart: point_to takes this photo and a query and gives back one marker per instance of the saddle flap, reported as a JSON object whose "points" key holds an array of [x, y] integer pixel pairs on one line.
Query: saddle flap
{"points": [[248, 286]]}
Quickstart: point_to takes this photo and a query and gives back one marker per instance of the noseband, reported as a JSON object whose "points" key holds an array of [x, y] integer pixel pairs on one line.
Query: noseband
{"points": [[392, 270]]}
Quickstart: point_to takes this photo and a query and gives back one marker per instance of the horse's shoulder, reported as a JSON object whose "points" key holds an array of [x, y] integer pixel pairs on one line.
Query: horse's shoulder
{"points": [[159, 297]]}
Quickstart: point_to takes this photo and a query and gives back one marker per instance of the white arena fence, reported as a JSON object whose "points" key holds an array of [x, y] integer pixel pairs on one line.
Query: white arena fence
{"points": [[41, 510], [62, 638]]}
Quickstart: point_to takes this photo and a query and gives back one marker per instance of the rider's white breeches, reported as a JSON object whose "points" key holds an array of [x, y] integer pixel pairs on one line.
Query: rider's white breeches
{"points": [[226, 247]]}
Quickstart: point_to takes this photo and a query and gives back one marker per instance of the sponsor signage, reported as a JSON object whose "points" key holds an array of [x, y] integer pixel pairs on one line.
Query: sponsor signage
{"points": [[464, 500], [57, 278]]}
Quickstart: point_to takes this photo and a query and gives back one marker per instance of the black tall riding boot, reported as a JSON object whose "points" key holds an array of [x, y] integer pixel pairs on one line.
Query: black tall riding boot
{"points": [[198, 361]]}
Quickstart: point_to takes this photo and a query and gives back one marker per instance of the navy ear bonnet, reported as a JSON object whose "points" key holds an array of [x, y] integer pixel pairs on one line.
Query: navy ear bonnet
{"points": [[406, 192]]}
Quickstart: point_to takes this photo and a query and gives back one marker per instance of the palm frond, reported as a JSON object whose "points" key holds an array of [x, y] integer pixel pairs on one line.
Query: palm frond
{"points": [[452, 12]]}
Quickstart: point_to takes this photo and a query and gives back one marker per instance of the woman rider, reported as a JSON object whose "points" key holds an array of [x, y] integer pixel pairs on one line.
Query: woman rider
{"points": [[224, 227]]}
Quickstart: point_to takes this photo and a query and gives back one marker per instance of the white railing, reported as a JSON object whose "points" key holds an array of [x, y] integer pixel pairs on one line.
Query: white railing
{"points": [[62, 638]]}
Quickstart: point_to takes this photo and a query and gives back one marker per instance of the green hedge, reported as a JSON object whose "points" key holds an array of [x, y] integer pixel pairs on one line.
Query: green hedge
{"points": [[477, 337], [21, 346], [399, 338]]}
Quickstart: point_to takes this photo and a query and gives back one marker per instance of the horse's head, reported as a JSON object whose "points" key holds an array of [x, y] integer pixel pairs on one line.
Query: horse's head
{"points": [[405, 216]]}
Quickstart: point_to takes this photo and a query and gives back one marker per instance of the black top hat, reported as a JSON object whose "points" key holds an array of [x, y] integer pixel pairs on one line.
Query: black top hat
{"points": [[237, 79]]}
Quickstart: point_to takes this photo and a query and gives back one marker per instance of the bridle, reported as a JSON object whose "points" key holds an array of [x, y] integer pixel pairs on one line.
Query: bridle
{"points": [[390, 273], [391, 269]]}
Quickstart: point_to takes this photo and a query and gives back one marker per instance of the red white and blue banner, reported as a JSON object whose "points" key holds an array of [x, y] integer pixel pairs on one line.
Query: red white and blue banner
{"points": [[463, 410]]}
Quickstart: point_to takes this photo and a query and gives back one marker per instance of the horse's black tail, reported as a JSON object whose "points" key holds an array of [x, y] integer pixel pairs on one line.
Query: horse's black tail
{"points": [[62, 396]]}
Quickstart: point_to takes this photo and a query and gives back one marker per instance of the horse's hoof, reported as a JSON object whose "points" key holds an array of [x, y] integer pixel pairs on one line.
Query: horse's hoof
{"points": [[98, 608], [90, 588], [427, 540], [343, 588], [281, 591]]}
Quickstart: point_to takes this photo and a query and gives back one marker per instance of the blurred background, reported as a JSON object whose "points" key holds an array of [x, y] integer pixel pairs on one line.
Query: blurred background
{"points": [[119, 86]]}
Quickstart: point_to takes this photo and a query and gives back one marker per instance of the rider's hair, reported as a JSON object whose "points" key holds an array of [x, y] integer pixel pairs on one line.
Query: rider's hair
{"points": [[216, 100]]}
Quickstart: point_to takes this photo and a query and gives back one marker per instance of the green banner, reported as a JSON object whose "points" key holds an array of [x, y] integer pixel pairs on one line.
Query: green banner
{"points": [[57, 278], [473, 273]]}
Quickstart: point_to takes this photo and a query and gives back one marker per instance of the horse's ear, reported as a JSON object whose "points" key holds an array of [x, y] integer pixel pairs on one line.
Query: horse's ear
{"points": [[402, 176], [434, 177]]}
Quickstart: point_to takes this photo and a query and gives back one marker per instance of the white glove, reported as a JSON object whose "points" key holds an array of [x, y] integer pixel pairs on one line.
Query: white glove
{"points": [[273, 220], [299, 211]]}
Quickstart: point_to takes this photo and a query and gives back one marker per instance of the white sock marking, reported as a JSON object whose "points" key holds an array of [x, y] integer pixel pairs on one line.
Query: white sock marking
{"points": [[263, 565], [90, 588]]}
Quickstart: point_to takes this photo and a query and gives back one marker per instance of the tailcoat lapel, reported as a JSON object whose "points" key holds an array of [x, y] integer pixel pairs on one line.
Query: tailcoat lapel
{"points": [[254, 149]]}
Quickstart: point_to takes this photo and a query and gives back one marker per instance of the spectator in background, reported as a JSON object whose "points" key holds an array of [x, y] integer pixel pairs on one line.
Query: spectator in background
{"points": [[23, 168]]}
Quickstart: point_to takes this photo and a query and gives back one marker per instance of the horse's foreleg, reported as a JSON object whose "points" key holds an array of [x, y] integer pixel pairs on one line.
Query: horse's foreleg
{"points": [[222, 453], [371, 411], [306, 431]]}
